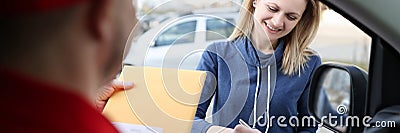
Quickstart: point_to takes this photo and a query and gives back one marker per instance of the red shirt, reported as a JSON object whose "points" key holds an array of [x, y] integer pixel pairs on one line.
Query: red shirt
{"points": [[31, 106]]}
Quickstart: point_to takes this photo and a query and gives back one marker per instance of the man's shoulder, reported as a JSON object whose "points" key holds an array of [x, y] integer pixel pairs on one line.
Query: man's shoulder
{"points": [[39, 103]]}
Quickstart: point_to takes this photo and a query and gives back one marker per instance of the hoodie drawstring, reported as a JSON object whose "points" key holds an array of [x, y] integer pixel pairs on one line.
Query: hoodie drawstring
{"points": [[255, 98], [268, 97]]}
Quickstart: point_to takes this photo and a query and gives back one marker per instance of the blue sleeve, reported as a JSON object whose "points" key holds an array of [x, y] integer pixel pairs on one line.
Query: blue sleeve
{"points": [[208, 62], [303, 103]]}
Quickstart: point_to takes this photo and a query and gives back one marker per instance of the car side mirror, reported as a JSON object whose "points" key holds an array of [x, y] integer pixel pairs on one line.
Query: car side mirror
{"points": [[337, 97], [152, 43]]}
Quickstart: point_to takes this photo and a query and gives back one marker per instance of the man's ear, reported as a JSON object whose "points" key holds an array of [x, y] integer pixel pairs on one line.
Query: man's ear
{"points": [[98, 22]]}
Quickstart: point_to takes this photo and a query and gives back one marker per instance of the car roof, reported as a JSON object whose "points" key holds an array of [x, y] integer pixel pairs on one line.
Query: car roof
{"points": [[377, 16]]}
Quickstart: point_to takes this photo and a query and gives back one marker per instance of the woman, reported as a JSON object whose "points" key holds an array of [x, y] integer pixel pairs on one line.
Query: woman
{"points": [[248, 79]]}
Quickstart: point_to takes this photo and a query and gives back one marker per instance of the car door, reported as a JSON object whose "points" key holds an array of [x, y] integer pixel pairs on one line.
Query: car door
{"points": [[170, 44], [381, 100], [181, 44]]}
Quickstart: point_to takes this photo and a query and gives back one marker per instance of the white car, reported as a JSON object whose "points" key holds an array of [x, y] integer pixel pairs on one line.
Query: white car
{"points": [[179, 42]]}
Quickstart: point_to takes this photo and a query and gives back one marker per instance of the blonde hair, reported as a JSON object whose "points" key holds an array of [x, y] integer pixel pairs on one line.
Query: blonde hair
{"points": [[296, 53]]}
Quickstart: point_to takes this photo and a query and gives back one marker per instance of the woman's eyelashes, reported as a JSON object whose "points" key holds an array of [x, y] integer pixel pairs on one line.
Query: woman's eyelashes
{"points": [[274, 10], [291, 17]]}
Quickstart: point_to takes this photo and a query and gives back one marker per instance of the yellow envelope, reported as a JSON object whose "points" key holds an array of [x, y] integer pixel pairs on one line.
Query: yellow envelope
{"points": [[163, 100]]}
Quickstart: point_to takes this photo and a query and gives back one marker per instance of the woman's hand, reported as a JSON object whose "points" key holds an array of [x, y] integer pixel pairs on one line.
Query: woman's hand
{"points": [[105, 92], [243, 129], [238, 129], [219, 129]]}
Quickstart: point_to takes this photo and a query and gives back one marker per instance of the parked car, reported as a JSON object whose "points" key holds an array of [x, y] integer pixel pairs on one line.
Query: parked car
{"points": [[179, 42], [374, 94]]}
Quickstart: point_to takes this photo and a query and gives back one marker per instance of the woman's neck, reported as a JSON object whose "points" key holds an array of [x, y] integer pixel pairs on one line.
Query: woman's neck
{"points": [[263, 44]]}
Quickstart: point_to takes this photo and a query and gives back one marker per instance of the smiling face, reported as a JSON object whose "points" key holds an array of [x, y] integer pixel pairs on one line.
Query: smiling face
{"points": [[278, 17]]}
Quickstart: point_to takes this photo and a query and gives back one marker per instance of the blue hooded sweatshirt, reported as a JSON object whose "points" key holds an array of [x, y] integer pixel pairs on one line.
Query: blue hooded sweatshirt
{"points": [[236, 78]]}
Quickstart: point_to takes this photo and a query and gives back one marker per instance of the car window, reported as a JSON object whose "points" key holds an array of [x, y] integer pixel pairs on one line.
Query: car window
{"points": [[177, 34], [219, 29], [339, 40]]}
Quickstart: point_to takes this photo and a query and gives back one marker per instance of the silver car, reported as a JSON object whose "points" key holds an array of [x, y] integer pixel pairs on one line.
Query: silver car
{"points": [[179, 42]]}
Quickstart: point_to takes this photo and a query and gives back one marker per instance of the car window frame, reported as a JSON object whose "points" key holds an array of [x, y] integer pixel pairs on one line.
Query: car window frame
{"points": [[229, 21], [176, 24], [383, 53]]}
